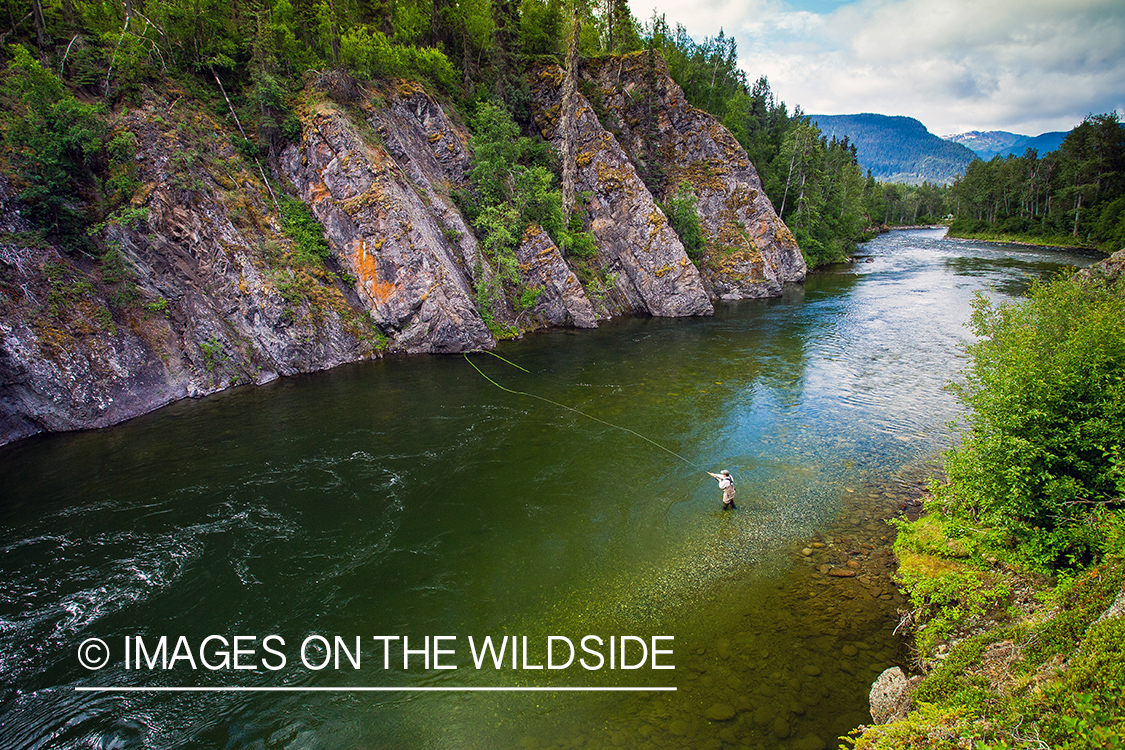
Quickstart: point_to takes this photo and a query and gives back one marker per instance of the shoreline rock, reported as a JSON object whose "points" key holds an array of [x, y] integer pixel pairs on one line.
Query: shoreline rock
{"points": [[202, 287]]}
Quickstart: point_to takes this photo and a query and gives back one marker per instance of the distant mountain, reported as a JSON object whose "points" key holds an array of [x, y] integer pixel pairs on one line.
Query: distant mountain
{"points": [[989, 143], [898, 149], [986, 143]]}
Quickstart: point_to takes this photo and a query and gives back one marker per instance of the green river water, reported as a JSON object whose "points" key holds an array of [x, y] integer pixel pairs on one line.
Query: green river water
{"points": [[412, 497]]}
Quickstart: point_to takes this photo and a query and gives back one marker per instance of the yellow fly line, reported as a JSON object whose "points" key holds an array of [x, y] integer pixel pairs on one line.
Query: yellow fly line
{"points": [[571, 408]]}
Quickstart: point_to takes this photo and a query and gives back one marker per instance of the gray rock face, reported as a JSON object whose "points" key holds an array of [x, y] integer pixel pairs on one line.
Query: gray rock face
{"points": [[750, 251], [411, 279], [433, 154], [562, 301], [636, 245], [192, 296]]}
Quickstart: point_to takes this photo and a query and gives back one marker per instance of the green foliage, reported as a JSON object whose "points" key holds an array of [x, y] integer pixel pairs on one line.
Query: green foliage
{"points": [[529, 298], [947, 683], [1074, 195], [1090, 703], [1079, 599], [58, 143], [213, 355], [1046, 391], [309, 243], [128, 59], [370, 54], [907, 205], [580, 245], [509, 192], [682, 215], [1037, 480], [1056, 678], [301, 271], [541, 26], [132, 217], [159, 307], [946, 602]]}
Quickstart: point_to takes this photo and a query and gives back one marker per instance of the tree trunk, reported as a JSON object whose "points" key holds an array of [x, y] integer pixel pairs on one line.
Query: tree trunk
{"points": [[40, 27]]}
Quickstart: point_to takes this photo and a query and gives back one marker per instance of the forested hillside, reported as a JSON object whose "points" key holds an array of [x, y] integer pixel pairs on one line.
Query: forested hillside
{"points": [[898, 149], [1075, 194], [251, 58]]}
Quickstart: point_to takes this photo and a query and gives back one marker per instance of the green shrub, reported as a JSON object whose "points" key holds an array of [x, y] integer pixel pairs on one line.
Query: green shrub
{"points": [[530, 297], [309, 243], [1041, 458], [951, 600], [684, 218], [58, 143], [369, 54], [511, 189]]}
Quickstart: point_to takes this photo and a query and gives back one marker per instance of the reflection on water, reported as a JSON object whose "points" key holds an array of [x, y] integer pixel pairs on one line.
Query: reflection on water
{"points": [[412, 497]]}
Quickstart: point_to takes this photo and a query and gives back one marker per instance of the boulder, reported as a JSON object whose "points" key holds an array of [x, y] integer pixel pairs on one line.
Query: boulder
{"points": [[890, 695]]}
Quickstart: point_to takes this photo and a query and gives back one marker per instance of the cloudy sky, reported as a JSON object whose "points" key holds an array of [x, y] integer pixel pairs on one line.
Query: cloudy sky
{"points": [[1026, 66]]}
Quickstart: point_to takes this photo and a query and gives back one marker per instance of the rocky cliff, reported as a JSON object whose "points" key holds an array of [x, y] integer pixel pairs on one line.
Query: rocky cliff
{"points": [[750, 252], [206, 278], [193, 288], [637, 247]]}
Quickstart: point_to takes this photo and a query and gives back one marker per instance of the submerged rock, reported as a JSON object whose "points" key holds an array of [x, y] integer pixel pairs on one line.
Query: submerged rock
{"points": [[809, 742], [720, 712]]}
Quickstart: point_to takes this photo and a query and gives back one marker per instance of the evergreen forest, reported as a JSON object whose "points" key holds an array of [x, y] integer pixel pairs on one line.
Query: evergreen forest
{"points": [[1074, 195], [71, 63], [899, 149]]}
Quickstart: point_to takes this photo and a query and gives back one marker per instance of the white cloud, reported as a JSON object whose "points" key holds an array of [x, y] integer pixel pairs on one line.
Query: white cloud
{"points": [[1022, 65]]}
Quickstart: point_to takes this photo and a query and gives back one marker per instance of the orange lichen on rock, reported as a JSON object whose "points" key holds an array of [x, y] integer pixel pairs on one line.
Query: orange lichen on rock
{"points": [[318, 191], [367, 271]]}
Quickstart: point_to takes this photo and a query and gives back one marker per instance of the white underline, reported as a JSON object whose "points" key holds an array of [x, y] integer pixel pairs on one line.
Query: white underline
{"points": [[297, 689]]}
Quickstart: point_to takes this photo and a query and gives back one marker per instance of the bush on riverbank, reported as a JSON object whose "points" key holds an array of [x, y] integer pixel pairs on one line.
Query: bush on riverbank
{"points": [[1040, 464], [1034, 497], [1052, 678]]}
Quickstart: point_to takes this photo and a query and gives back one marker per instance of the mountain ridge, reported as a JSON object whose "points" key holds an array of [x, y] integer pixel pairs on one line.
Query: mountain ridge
{"points": [[896, 148], [989, 143]]}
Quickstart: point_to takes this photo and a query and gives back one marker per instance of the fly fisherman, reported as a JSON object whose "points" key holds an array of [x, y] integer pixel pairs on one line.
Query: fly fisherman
{"points": [[726, 484]]}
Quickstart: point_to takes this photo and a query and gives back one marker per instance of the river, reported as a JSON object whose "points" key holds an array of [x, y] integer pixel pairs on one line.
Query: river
{"points": [[416, 498]]}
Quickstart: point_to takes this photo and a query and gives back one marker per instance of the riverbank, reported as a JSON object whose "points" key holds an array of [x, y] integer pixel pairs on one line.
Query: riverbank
{"points": [[1025, 240], [1016, 573], [1002, 656]]}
